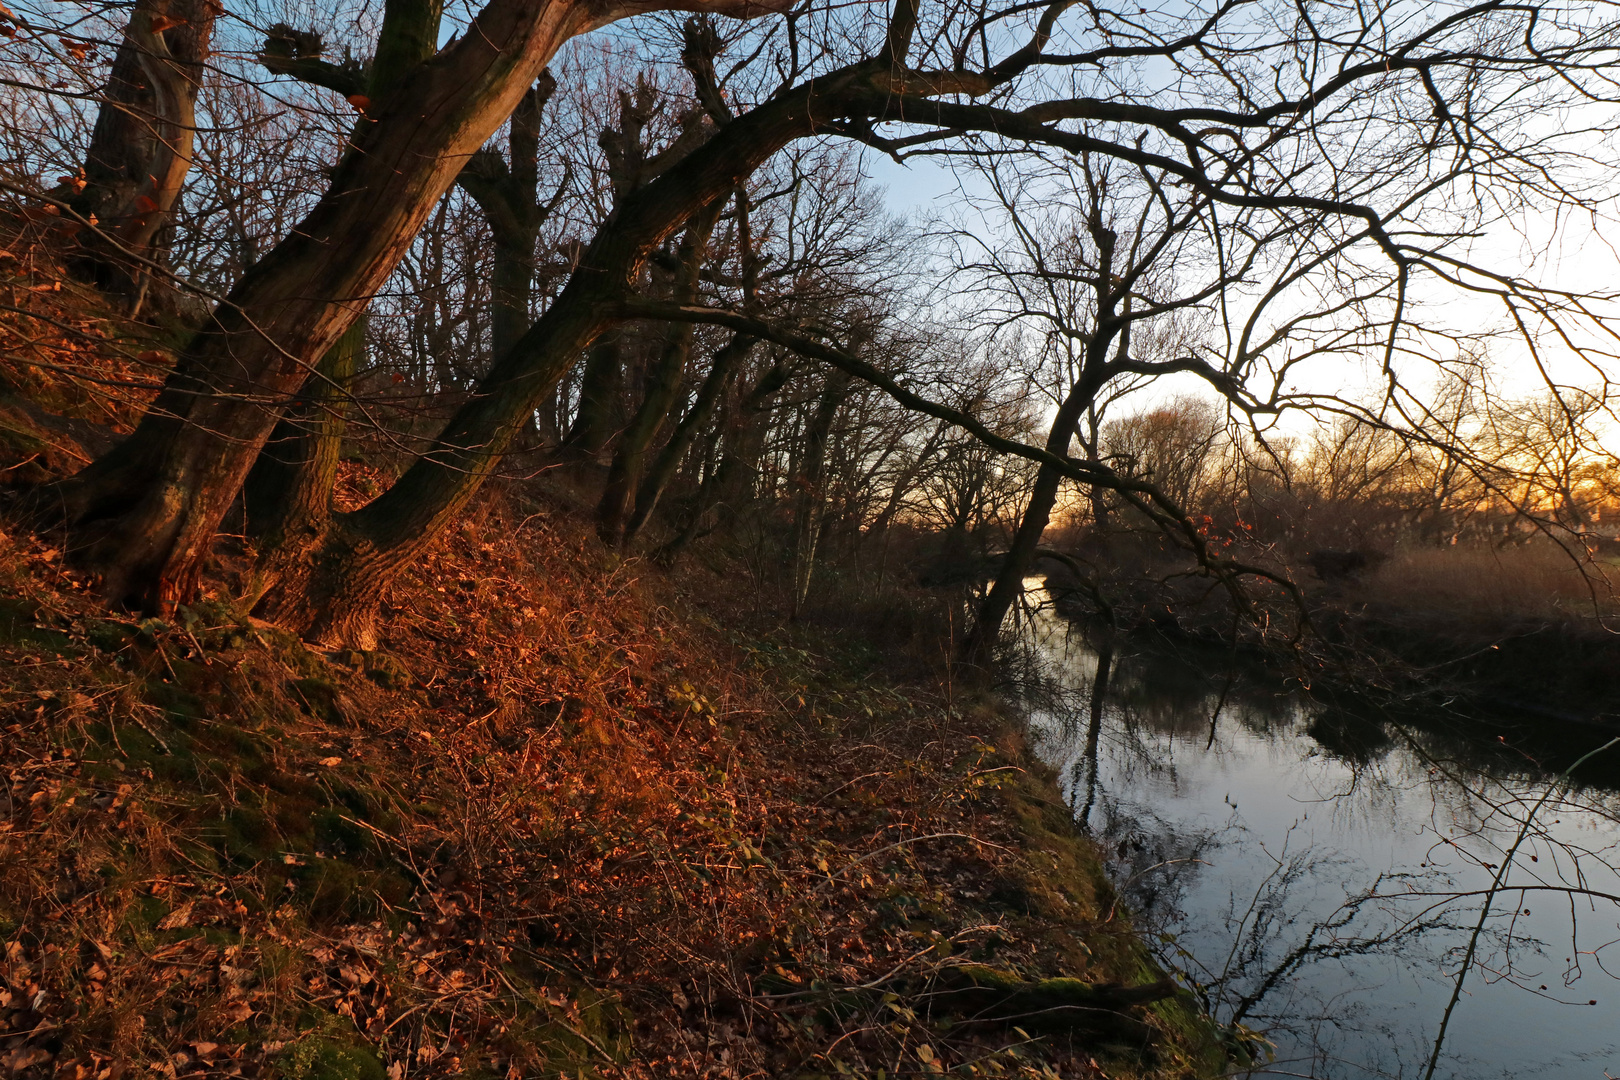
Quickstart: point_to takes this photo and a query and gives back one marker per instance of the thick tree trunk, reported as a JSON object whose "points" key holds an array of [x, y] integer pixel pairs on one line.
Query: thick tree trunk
{"points": [[721, 368], [145, 518], [288, 494], [663, 384], [141, 148]]}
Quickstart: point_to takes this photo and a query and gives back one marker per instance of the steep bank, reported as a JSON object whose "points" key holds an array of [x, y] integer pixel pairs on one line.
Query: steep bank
{"points": [[568, 819]]}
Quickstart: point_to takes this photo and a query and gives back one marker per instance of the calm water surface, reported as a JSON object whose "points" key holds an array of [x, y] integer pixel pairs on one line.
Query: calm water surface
{"points": [[1320, 878]]}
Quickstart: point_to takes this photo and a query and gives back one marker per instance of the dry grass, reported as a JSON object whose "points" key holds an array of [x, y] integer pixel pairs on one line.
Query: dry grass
{"points": [[1532, 581], [574, 817]]}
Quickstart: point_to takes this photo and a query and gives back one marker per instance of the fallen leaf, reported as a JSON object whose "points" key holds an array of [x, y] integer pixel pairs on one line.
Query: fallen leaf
{"points": [[179, 917]]}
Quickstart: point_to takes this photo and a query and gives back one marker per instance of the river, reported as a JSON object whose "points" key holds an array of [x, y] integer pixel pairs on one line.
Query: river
{"points": [[1323, 878]]}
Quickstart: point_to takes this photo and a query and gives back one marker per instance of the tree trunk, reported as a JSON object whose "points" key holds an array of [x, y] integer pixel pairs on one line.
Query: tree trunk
{"points": [[337, 601], [812, 498], [144, 519], [1009, 583], [902, 483], [1108, 326], [141, 148], [739, 458], [721, 367], [505, 190], [663, 383], [288, 493], [597, 420]]}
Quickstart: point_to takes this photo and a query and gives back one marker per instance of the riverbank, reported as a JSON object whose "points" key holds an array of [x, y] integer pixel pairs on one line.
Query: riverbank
{"points": [[1316, 870], [573, 816], [1519, 633]]}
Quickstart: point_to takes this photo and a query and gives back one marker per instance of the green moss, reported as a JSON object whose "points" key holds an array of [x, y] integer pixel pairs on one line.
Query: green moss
{"points": [[109, 635], [337, 834], [324, 1058], [17, 442], [180, 706], [319, 698], [248, 835], [387, 671], [334, 890], [19, 625]]}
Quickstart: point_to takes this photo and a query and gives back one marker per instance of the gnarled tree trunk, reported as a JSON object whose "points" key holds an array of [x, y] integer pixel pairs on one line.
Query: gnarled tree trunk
{"points": [[144, 519], [598, 417], [142, 145], [287, 496]]}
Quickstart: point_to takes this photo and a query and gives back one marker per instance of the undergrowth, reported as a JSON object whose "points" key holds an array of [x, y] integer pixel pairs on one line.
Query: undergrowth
{"points": [[562, 822]]}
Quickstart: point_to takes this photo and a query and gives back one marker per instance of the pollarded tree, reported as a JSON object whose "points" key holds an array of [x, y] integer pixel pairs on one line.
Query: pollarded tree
{"points": [[144, 139]]}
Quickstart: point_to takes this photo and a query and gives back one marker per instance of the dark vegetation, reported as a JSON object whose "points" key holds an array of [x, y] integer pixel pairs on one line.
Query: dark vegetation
{"points": [[1405, 578]]}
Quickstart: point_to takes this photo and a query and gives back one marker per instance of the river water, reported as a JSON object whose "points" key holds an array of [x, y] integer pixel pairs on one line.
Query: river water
{"points": [[1323, 878]]}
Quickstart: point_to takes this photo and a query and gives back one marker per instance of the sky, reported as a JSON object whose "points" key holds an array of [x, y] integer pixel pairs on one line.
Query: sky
{"points": [[1577, 254]]}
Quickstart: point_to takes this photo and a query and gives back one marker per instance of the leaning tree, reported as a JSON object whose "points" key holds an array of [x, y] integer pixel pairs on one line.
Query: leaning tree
{"points": [[1306, 171], [144, 518]]}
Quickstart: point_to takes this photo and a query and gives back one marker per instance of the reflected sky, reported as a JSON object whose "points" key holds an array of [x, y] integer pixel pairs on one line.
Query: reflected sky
{"points": [[1319, 876]]}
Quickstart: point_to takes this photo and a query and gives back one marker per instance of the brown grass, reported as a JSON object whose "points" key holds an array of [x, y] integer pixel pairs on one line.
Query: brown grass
{"points": [[1529, 581], [575, 816]]}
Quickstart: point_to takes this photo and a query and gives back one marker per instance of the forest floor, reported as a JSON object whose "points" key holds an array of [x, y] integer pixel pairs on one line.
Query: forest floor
{"points": [[575, 817]]}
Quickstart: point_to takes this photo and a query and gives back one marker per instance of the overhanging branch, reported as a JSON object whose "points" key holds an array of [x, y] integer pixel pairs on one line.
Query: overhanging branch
{"points": [[1146, 497]]}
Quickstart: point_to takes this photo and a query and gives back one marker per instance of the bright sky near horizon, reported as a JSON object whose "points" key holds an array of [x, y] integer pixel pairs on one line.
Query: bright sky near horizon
{"points": [[1578, 255]]}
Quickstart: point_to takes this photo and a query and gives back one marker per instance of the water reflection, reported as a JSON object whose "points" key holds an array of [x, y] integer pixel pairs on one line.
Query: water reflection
{"points": [[1322, 877]]}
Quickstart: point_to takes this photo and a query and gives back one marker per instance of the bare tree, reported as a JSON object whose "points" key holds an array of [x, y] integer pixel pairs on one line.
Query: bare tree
{"points": [[1301, 174], [143, 143]]}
